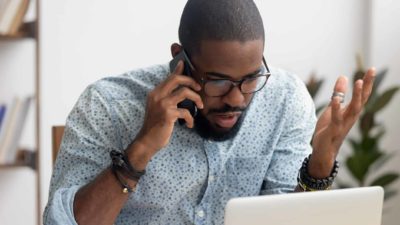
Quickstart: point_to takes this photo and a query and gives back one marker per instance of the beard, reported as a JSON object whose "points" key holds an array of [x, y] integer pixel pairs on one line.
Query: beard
{"points": [[207, 131]]}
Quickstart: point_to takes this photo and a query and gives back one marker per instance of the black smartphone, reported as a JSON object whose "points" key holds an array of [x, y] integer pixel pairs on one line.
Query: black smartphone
{"points": [[186, 104]]}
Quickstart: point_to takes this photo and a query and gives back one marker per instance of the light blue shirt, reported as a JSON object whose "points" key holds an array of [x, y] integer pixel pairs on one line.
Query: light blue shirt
{"points": [[190, 180]]}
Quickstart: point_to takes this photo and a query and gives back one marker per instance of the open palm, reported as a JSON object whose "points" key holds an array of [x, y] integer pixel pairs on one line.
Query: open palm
{"points": [[336, 121]]}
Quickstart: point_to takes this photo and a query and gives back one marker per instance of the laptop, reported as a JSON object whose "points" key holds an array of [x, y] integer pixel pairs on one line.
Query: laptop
{"points": [[353, 206]]}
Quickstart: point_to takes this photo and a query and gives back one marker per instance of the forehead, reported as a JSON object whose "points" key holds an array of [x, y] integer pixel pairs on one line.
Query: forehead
{"points": [[233, 58]]}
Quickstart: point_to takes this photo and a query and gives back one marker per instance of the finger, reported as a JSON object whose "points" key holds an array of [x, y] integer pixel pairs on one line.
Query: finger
{"points": [[355, 106], [368, 84], [336, 113], [185, 114], [186, 93], [340, 85], [326, 117], [179, 68], [172, 82]]}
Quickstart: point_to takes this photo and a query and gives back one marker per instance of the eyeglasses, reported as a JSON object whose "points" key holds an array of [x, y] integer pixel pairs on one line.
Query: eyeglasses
{"points": [[248, 85]]}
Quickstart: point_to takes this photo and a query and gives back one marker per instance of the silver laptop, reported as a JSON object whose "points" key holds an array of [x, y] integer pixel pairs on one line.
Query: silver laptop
{"points": [[353, 206]]}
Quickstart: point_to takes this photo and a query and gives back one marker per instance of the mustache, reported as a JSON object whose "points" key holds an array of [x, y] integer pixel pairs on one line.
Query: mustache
{"points": [[226, 109]]}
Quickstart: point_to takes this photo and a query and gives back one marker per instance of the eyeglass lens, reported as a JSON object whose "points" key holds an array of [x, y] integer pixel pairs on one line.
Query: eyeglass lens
{"points": [[223, 86]]}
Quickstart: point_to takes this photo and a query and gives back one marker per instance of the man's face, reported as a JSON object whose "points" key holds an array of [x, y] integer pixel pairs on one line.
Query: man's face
{"points": [[221, 117]]}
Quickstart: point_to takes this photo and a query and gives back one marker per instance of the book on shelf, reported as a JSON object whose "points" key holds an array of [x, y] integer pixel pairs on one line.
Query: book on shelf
{"points": [[12, 13], [11, 129], [2, 113]]}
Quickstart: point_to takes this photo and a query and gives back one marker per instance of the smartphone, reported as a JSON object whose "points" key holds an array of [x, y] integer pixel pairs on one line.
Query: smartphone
{"points": [[186, 104]]}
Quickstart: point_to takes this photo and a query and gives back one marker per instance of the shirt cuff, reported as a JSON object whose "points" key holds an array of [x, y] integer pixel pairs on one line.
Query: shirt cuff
{"points": [[60, 209]]}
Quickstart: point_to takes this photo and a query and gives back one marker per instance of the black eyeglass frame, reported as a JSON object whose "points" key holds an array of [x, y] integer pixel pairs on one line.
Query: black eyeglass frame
{"points": [[238, 83]]}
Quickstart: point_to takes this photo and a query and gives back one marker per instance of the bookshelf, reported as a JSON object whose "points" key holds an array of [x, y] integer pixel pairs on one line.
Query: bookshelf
{"points": [[27, 30], [30, 30], [17, 165]]}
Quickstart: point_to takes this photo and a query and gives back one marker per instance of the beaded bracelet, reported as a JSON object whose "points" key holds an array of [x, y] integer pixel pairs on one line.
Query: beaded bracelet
{"points": [[308, 183]]}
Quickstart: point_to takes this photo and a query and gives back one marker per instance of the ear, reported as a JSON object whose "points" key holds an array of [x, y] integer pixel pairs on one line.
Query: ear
{"points": [[175, 49]]}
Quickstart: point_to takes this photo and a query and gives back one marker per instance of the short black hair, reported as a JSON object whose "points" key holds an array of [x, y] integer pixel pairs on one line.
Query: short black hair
{"points": [[220, 20]]}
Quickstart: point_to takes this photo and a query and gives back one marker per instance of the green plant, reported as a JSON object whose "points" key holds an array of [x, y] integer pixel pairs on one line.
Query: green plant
{"points": [[366, 155], [314, 86]]}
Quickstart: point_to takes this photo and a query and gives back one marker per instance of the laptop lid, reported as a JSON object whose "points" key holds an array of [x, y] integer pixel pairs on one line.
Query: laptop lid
{"points": [[353, 206]]}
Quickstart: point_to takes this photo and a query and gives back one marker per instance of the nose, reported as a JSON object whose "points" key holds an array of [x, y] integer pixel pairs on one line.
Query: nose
{"points": [[234, 98]]}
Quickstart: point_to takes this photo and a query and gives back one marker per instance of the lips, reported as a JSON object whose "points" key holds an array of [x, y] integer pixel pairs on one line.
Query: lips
{"points": [[226, 120]]}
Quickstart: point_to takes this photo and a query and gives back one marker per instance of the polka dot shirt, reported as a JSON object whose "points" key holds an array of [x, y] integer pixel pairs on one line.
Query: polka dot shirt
{"points": [[191, 179]]}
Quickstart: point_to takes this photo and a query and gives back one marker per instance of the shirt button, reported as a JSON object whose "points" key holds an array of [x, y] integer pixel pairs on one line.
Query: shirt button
{"points": [[211, 178], [200, 213]]}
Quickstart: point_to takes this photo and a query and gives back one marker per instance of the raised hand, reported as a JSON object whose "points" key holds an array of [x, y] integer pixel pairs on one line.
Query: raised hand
{"points": [[335, 123]]}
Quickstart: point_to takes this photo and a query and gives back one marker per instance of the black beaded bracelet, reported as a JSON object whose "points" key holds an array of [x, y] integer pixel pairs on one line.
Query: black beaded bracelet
{"points": [[308, 183]]}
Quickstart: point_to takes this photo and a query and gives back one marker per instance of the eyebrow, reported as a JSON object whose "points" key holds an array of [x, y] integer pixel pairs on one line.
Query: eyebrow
{"points": [[221, 75]]}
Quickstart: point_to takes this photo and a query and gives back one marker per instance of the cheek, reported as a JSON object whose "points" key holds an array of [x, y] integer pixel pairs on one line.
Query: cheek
{"points": [[247, 98], [210, 103]]}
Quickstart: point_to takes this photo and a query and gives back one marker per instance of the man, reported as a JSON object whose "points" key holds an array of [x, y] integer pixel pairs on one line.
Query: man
{"points": [[249, 137]]}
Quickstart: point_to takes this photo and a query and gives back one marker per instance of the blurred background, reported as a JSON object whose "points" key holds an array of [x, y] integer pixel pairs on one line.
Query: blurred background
{"points": [[78, 42]]}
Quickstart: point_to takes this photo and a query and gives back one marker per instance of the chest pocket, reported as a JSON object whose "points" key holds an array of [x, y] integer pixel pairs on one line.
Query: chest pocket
{"points": [[244, 176]]}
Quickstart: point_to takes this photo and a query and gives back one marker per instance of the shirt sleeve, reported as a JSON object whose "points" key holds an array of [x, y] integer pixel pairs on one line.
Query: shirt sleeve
{"points": [[294, 142], [90, 134]]}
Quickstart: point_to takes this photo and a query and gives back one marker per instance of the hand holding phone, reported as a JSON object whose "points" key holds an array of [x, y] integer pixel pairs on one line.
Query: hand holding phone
{"points": [[162, 109], [186, 104]]}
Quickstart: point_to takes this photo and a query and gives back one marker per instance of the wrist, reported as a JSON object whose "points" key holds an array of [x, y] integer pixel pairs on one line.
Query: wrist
{"points": [[319, 167], [139, 154], [307, 182]]}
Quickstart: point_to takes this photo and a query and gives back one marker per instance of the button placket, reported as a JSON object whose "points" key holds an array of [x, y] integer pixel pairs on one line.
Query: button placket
{"points": [[212, 156], [200, 213]]}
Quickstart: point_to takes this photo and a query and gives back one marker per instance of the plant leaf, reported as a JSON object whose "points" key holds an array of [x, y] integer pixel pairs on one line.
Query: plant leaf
{"points": [[373, 97], [342, 185], [355, 145], [313, 85], [358, 74], [359, 163], [385, 179], [383, 100], [389, 194], [367, 122], [380, 134], [369, 144], [381, 161], [378, 79]]}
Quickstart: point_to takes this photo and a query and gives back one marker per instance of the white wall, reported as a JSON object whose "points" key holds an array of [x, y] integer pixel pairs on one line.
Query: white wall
{"points": [[83, 41], [385, 52]]}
